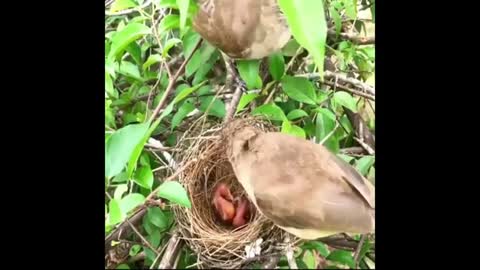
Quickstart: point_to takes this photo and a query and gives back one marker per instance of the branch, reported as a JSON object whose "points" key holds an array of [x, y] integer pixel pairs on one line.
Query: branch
{"points": [[126, 11], [171, 83], [232, 107], [124, 228], [355, 38], [171, 252], [356, 257], [357, 83]]}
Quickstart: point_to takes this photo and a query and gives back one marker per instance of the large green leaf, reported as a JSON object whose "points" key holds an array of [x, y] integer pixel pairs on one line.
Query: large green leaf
{"points": [[318, 246], [114, 213], [128, 34], [299, 89], [293, 130], [295, 114], [129, 202], [152, 59], [364, 164], [309, 259], [175, 193], [183, 8], [168, 22], [144, 177], [324, 125], [249, 72], [276, 66], [182, 112], [120, 147], [156, 216], [343, 257], [245, 100], [119, 5], [271, 111], [346, 100], [213, 106], [307, 22]]}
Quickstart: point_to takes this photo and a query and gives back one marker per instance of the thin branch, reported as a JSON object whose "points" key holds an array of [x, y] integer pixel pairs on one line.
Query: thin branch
{"points": [[232, 107], [368, 89], [350, 90], [352, 150], [365, 146], [171, 252], [356, 257], [171, 83], [124, 228]]}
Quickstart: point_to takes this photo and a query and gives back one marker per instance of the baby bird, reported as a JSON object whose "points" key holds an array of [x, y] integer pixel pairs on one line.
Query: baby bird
{"points": [[223, 203], [242, 212]]}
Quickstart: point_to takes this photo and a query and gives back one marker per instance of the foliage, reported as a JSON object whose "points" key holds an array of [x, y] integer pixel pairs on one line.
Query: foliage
{"points": [[140, 43]]}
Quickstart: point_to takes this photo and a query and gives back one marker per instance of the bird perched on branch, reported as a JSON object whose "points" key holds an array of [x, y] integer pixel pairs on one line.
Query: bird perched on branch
{"points": [[301, 186], [246, 29]]}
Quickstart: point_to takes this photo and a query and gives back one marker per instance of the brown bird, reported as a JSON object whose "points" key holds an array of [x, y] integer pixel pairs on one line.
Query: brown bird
{"points": [[223, 203], [301, 186], [242, 212], [242, 29]]}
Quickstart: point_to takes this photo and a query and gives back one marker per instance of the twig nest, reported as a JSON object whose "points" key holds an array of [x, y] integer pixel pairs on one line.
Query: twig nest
{"points": [[218, 245]]}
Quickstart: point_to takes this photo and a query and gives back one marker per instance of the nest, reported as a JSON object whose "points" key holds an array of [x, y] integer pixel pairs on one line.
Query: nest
{"points": [[217, 245]]}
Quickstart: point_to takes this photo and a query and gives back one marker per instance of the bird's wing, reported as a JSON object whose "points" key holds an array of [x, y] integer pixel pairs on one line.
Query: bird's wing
{"points": [[304, 189]]}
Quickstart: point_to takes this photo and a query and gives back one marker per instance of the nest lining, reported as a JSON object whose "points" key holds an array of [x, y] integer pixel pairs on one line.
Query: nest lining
{"points": [[217, 245]]}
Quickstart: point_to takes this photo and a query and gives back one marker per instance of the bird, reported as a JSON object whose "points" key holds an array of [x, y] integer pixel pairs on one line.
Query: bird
{"points": [[242, 212], [246, 29], [301, 186], [223, 203]]}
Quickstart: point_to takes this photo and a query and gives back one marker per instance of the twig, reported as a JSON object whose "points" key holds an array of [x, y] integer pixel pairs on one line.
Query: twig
{"points": [[352, 150], [171, 252], [136, 231], [350, 90], [356, 257], [124, 228], [171, 83], [365, 146], [357, 39], [233, 104], [368, 89]]}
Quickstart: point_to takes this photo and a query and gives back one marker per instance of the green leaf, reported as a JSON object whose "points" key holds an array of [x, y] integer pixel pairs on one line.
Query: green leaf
{"points": [[120, 178], [129, 202], [318, 246], [174, 192], [294, 130], [351, 8], [276, 66], [115, 213], [336, 19], [297, 113], [123, 266], [134, 250], [245, 100], [182, 112], [154, 238], [190, 40], [346, 158], [199, 58], [324, 125], [150, 255], [135, 52], [117, 195], [364, 164], [152, 59], [309, 260], [299, 89], [123, 38], [346, 100], [217, 108], [144, 177], [156, 216], [249, 72], [343, 257], [120, 147], [168, 22], [170, 44], [271, 111], [183, 6], [119, 5], [130, 70], [204, 69], [307, 22]]}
